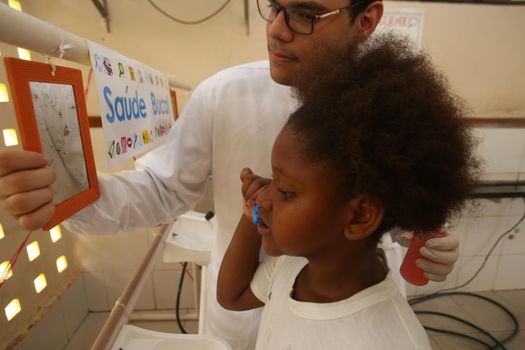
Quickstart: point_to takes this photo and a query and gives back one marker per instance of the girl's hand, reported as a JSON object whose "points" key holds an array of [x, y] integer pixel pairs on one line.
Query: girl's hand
{"points": [[252, 185]]}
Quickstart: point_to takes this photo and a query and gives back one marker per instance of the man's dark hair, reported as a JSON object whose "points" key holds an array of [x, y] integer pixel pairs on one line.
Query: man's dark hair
{"points": [[386, 123], [359, 6]]}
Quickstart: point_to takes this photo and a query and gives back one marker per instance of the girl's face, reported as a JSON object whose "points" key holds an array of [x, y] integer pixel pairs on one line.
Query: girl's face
{"points": [[301, 213]]}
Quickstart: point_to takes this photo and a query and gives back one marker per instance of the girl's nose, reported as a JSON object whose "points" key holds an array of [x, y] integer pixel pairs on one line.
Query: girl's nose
{"points": [[263, 199]]}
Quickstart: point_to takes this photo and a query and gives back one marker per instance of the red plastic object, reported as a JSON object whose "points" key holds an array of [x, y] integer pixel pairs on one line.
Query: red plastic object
{"points": [[409, 270]]}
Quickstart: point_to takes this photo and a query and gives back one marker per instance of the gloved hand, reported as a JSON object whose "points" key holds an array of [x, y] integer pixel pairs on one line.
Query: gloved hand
{"points": [[443, 252]]}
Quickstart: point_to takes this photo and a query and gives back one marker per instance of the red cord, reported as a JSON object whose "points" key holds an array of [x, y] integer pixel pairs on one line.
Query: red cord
{"points": [[12, 262], [86, 91]]}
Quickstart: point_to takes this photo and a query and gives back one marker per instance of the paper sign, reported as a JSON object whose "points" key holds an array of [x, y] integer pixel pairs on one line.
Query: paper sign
{"points": [[135, 103], [408, 22]]}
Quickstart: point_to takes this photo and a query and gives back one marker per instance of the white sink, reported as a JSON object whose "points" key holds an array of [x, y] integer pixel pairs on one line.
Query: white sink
{"points": [[191, 238], [135, 338]]}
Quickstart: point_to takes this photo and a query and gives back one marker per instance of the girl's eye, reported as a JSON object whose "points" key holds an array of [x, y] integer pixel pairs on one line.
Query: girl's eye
{"points": [[285, 194]]}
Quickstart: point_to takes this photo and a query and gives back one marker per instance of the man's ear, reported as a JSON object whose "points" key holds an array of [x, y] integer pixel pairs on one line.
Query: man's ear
{"points": [[365, 214], [368, 19]]}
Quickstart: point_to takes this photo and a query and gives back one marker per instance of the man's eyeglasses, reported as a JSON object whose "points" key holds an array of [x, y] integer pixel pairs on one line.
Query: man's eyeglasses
{"points": [[298, 21]]}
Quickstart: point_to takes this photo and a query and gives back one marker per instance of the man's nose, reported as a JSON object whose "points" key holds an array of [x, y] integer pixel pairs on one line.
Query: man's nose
{"points": [[278, 29]]}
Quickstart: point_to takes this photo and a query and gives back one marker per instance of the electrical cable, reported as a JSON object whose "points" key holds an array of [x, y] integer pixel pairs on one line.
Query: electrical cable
{"points": [[178, 20], [499, 344], [460, 320], [208, 216], [187, 272], [177, 305], [487, 255], [90, 75], [13, 259], [444, 331]]}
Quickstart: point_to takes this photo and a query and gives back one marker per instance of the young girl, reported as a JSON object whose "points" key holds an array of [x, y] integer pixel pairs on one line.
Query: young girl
{"points": [[377, 144]]}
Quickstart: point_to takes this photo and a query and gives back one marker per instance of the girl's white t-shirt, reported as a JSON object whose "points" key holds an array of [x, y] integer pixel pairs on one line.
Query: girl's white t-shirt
{"points": [[377, 318]]}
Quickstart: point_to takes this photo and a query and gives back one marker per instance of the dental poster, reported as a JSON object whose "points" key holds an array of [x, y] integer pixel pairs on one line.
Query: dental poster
{"points": [[408, 22], [135, 104]]}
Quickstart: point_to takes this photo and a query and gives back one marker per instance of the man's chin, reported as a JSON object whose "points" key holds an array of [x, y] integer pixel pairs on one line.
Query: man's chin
{"points": [[281, 77]]}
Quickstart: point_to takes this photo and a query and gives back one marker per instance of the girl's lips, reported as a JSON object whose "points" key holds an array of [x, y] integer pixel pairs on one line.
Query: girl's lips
{"points": [[263, 229]]}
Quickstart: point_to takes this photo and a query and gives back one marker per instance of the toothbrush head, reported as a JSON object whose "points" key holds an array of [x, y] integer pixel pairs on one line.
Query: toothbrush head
{"points": [[255, 215]]}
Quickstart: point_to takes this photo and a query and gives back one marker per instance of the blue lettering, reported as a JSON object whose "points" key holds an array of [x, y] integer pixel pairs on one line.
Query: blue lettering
{"points": [[119, 102], [127, 108], [153, 103], [160, 105], [124, 107], [142, 108], [107, 95], [135, 105]]}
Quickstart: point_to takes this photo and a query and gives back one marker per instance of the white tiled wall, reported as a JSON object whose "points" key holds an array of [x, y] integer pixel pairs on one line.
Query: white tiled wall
{"points": [[97, 295], [477, 233], [503, 150], [109, 263], [60, 323]]}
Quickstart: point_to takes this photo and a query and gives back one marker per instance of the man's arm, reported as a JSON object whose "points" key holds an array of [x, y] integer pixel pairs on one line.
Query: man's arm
{"points": [[168, 181], [238, 268]]}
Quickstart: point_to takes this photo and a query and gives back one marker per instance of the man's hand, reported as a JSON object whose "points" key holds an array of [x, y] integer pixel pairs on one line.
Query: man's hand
{"points": [[443, 252], [25, 187]]}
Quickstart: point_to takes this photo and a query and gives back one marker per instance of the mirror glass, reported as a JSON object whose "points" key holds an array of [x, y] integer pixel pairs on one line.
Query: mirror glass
{"points": [[59, 130]]}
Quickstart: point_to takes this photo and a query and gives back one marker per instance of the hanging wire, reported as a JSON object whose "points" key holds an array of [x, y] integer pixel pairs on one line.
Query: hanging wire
{"points": [[487, 256], [14, 258], [498, 344], [90, 75], [178, 20], [179, 291]]}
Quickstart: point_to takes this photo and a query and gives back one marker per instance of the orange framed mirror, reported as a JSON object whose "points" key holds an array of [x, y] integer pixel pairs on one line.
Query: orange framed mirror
{"points": [[52, 119]]}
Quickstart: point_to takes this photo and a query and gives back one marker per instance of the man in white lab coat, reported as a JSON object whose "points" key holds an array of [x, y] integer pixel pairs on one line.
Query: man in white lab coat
{"points": [[229, 123]]}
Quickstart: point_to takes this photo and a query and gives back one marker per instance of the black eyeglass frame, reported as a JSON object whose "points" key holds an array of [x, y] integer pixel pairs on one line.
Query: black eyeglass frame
{"points": [[312, 18]]}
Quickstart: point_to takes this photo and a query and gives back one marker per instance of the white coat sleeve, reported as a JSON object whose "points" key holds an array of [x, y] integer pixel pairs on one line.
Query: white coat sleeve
{"points": [[167, 181]]}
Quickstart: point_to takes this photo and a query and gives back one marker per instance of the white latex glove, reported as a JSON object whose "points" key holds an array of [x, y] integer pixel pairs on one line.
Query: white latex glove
{"points": [[443, 252]]}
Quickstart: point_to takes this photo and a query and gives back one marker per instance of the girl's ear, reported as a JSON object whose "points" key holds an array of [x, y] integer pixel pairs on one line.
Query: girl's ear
{"points": [[365, 214]]}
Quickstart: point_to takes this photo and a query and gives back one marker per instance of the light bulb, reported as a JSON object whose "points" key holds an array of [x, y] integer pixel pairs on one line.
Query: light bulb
{"points": [[40, 283], [12, 309], [15, 4], [61, 263], [33, 251], [6, 266], [55, 233], [24, 54], [4, 96], [10, 138]]}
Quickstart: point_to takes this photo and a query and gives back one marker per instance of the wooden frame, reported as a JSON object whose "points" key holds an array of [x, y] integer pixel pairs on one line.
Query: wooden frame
{"points": [[174, 105], [52, 119]]}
